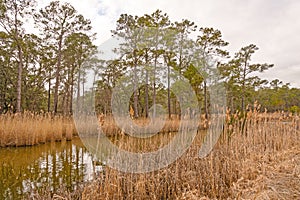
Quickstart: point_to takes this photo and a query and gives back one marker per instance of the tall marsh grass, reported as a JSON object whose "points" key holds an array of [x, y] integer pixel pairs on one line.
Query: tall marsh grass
{"points": [[257, 157], [30, 129]]}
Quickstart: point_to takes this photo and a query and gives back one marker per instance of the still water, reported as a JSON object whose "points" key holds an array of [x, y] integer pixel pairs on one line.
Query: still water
{"points": [[50, 166]]}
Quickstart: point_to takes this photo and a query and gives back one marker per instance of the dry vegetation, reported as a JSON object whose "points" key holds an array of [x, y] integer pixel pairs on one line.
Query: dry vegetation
{"points": [[257, 157], [110, 128], [30, 129]]}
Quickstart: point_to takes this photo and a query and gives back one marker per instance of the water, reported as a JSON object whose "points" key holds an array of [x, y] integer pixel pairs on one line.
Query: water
{"points": [[50, 166]]}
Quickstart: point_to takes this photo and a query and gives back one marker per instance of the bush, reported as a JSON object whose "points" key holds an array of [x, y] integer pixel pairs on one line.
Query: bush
{"points": [[295, 110]]}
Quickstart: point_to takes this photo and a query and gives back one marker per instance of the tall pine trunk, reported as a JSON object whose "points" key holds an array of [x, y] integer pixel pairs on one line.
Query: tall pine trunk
{"points": [[147, 94], [147, 88], [169, 95], [19, 87], [57, 75], [135, 84], [205, 99], [49, 93], [135, 94]]}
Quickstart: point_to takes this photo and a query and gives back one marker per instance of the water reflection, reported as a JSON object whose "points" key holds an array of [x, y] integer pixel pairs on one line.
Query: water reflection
{"points": [[50, 165]]}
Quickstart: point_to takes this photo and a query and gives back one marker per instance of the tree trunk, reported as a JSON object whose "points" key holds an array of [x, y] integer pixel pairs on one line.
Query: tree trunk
{"points": [[64, 102], [49, 94], [147, 87], [154, 87], [169, 96], [66, 99], [19, 87], [205, 99], [71, 91], [78, 90], [57, 75], [243, 84], [83, 90], [71, 98], [135, 97], [147, 94], [20, 64], [167, 59]]}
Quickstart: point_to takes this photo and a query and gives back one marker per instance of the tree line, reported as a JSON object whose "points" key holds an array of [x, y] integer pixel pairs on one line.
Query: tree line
{"points": [[38, 70], [48, 71]]}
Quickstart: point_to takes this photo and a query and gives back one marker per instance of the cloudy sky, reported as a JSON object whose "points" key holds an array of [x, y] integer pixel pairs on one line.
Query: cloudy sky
{"points": [[273, 25]]}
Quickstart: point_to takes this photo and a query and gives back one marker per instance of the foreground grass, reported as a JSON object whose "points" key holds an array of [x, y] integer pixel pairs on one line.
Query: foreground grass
{"points": [[257, 157], [261, 161]]}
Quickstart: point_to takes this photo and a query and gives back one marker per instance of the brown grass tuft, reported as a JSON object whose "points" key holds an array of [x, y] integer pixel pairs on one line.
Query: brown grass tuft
{"points": [[30, 129]]}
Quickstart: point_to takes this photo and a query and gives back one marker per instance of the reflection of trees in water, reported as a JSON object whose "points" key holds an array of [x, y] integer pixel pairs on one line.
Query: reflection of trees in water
{"points": [[45, 166]]}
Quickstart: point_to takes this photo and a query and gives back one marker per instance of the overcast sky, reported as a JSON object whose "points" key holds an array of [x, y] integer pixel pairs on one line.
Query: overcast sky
{"points": [[273, 25]]}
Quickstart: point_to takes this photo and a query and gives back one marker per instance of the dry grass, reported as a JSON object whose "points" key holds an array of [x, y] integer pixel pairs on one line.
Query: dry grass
{"points": [[257, 157], [62, 194], [30, 129], [110, 128]]}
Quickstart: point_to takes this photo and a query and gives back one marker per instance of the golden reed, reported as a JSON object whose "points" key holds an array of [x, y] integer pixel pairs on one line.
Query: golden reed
{"points": [[256, 157], [30, 129]]}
